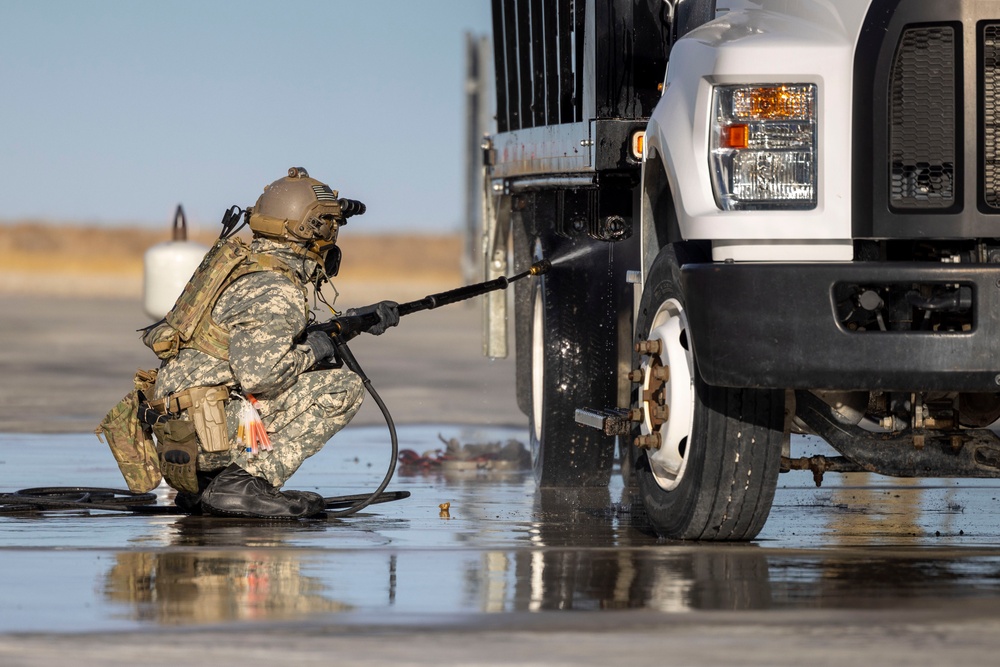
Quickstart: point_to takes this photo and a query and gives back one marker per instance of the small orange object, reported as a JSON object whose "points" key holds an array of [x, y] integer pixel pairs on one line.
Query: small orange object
{"points": [[736, 136], [251, 435]]}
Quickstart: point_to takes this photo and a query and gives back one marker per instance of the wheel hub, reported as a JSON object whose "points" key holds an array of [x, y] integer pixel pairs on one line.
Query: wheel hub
{"points": [[666, 395]]}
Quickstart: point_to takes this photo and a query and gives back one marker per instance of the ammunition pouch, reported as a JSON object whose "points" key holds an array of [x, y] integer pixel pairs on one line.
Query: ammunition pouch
{"points": [[130, 439], [163, 340], [177, 448]]}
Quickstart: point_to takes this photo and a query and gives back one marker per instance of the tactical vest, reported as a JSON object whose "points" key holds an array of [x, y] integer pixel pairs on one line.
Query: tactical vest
{"points": [[190, 321]]}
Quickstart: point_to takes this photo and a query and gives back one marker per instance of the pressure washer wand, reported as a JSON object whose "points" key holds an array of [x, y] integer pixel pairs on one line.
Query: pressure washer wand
{"points": [[347, 327]]}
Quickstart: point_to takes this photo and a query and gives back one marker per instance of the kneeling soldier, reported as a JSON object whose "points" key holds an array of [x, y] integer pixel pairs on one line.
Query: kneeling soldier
{"points": [[236, 404]]}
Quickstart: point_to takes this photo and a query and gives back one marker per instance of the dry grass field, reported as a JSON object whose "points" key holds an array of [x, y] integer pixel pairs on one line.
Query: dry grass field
{"points": [[39, 259]]}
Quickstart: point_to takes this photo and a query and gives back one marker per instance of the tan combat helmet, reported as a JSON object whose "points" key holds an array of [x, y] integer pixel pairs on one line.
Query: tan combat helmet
{"points": [[299, 210]]}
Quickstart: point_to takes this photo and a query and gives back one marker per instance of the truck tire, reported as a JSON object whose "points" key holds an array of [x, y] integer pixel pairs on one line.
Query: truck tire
{"points": [[714, 473], [570, 362]]}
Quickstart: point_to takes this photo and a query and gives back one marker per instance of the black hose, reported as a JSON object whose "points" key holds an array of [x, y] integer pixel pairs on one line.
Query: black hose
{"points": [[345, 355], [78, 498], [952, 300], [81, 497]]}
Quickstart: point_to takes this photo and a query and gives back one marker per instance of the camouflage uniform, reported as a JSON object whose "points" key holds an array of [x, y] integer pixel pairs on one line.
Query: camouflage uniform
{"points": [[265, 312]]}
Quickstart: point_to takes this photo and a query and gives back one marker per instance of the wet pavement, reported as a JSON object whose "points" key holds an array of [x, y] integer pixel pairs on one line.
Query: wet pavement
{"points": [[865, 568], [859, 543]]}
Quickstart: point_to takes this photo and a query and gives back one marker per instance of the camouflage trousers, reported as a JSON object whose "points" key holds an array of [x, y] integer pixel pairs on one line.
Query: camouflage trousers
{"points": [[299, 422]]}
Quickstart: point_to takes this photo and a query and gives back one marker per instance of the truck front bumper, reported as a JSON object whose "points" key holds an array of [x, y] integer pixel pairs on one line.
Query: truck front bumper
{"points": [[776, 325]]}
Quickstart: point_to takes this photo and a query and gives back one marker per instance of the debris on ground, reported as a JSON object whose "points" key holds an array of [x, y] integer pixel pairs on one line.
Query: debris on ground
{"points": [[511, 455]]}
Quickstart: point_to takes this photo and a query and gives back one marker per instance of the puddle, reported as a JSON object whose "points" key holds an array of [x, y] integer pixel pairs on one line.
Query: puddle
{"points": [[857, 542]]}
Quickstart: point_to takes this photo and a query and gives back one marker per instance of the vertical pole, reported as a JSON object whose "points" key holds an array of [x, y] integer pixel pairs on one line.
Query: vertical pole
{"points": [[477, 127], [473, 84], [486, 224]]}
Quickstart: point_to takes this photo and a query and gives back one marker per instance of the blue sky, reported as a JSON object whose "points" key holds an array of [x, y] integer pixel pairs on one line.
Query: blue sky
{"points": [[115, 111]]}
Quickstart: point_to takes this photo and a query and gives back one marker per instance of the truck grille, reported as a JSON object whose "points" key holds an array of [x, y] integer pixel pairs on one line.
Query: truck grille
{"points": [[926, 133], [923, 124], [990, 95]]}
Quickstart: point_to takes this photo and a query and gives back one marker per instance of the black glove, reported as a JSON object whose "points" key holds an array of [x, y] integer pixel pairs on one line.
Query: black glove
{"points": [[388, 315], [321, 345]]}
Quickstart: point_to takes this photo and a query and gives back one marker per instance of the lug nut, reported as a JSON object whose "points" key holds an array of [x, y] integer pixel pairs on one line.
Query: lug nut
{"points": [[635, 415], [648, 347], [661, 412], [636, 376], [651, 441], [661, 373]]}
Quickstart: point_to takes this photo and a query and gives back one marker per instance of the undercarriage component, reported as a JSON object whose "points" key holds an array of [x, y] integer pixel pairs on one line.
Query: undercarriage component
{"points": [[890, 306], [909, 453], [820, 465], [978, 410]]}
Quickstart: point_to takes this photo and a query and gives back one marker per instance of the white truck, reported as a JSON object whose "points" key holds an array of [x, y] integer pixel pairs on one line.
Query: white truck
{"points": [[765, 217]]}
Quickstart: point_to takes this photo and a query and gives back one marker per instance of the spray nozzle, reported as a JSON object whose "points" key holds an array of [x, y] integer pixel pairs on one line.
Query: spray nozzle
{"points": [[540, 267]]}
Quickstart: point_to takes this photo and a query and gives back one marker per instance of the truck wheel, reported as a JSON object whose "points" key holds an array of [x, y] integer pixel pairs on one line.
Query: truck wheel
{"points": [[712, 454], [572, 366]]}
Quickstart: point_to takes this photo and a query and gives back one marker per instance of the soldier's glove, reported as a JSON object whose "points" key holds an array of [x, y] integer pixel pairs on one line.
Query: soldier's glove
{"points": [[321, 345], [388, 315]]}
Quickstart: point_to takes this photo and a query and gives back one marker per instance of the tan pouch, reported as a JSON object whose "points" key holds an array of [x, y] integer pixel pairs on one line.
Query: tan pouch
{"points": [[177, 446], [208, 412], [130, 440], [163, 340]]}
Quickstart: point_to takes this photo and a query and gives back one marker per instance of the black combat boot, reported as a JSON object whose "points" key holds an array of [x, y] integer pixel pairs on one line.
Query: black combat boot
{"points": [[235, 492], [190, 503]]}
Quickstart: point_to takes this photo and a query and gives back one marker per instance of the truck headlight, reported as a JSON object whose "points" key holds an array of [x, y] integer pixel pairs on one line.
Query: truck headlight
{"points": [[763, 153]]}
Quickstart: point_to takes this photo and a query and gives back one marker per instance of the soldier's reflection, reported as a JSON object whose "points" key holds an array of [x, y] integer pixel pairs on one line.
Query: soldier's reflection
{"points": [[241, 577]]}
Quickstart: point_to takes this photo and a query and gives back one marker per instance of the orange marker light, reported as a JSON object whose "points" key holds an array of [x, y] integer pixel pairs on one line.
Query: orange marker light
{"points": [[638, 143], [735, 136]]}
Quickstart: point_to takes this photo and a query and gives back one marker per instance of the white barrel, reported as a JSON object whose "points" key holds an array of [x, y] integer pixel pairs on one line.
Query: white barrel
{"points": [[168, 266], [166, 270]]}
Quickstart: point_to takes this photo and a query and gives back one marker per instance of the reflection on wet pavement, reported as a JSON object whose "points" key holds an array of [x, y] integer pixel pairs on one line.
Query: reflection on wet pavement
{"points": [[857, 542]]}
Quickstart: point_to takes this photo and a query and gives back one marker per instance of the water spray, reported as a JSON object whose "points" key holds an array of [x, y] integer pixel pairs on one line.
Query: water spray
{"points": [[573, 255]]}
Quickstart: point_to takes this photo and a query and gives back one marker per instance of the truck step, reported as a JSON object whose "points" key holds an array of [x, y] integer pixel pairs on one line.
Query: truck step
{"points": [[610, 421]]}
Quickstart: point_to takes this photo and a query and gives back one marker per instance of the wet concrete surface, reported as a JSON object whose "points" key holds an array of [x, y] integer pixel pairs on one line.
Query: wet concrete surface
{"points": [[862, 557], [863, 569]]}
